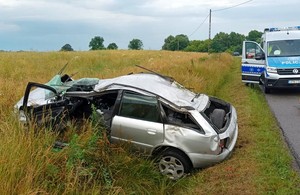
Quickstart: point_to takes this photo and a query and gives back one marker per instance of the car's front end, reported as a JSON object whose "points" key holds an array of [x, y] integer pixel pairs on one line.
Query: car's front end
{"points": [[282, 72], [282, 60]]}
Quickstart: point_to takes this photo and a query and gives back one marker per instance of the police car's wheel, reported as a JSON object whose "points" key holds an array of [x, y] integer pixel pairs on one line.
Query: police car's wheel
{"points": [[267, 89]]}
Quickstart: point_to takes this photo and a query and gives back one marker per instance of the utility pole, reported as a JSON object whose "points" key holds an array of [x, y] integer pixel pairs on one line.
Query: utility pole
{"points": [[209, 24]]}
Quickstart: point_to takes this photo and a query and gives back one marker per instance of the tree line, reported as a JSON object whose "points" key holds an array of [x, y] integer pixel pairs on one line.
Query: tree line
{"points": [[97, 43], [222, 42]]}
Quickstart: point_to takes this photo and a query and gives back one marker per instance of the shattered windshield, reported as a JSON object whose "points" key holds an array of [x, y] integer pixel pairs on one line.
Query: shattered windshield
{"points": [[284, 48], [83, 84]]}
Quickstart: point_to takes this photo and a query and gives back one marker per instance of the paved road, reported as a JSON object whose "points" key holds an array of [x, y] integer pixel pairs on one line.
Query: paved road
{"points": [[285, 104]]}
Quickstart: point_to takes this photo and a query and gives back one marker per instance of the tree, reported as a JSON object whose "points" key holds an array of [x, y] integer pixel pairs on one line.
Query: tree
{"points": [[97, 43], [254, 35], [179, 42], [182, 41], [170, 43], [135, 44], [112, 46], [198, 46], [236, 42], [227, 42], [67, 47], [220, 42]]}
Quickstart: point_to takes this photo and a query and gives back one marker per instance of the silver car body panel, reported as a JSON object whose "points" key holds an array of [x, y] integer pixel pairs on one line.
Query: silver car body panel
{"points": [[202, 148], [143, 134]]}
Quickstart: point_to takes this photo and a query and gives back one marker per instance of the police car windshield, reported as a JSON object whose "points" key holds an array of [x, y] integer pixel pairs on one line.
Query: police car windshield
{"points": [[284, 48]]}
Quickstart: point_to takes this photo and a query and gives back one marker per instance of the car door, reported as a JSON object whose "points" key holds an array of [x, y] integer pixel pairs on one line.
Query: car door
{"points": [[138, 121], [42, 104], [105, 103], [253, 62]]}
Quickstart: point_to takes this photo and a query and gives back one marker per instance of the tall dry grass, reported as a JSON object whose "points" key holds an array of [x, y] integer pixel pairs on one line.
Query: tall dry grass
{"points": [[90, 165], [28, 163], [195, 70]]}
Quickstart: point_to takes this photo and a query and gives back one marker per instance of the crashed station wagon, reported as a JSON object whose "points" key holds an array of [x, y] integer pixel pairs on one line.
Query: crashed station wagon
{"points": [[156, 114]]}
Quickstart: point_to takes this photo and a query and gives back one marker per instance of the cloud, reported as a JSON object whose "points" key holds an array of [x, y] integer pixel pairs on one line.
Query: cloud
{"points": [[77, 21], [7, 28]]}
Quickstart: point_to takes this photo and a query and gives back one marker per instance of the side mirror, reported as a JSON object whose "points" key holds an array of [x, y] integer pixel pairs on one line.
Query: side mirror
{"points": [[260, 56]]}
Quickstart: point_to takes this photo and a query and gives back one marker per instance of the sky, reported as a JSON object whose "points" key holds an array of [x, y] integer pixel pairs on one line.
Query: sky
{"points": [[47, 25]]}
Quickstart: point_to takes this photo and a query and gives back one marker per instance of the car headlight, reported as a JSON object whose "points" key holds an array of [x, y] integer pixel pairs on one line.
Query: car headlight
{"points": [[271, 69], [22, 117]]}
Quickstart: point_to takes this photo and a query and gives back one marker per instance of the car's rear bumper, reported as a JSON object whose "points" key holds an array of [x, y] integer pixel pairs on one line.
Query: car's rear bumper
{"points": [[205, 160]]}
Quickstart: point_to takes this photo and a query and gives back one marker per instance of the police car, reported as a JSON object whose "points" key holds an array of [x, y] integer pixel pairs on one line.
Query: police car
{"points": [[275, 62]]}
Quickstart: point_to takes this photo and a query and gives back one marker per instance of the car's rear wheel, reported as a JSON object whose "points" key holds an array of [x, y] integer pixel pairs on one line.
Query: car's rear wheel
{"points": [[174, 164]]}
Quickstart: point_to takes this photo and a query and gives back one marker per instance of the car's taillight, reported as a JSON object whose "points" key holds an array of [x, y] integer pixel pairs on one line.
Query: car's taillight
{"points": [[222, 143]]}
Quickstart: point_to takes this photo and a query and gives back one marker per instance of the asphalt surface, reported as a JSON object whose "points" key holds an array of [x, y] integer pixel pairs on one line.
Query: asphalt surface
{"points": [[285, 105]]}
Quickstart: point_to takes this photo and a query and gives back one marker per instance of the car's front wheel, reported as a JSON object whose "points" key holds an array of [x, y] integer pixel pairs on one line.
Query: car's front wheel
{"points": [[266, 89], [263, 82], [174, 164]]}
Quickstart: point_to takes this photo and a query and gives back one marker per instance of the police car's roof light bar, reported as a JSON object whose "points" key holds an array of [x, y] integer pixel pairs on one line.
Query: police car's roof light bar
{"points": [[282, 29]]}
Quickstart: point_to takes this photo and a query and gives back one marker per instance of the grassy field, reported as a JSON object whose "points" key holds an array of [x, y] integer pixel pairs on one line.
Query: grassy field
{"points": [[260, 164]]}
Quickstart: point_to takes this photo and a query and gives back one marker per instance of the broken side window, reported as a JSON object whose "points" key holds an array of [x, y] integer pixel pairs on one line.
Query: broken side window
{"points": [[106, 102], [178, 118], [140, 107], [103, 103]]}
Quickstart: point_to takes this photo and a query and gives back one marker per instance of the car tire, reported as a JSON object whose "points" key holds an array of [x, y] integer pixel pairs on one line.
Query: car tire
{"points": [[174, 164], [267, 90], [217, 117]]}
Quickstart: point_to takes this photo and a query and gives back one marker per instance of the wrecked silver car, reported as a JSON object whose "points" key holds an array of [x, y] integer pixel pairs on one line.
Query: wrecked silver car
{"points": [[155, 113]]}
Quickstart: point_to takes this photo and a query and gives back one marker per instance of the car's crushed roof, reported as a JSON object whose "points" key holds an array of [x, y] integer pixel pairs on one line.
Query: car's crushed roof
{"points": [[164, 87]]}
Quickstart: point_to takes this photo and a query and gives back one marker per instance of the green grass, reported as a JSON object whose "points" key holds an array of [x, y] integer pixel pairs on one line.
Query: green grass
{"points": [[275, 162], [260, 164]]}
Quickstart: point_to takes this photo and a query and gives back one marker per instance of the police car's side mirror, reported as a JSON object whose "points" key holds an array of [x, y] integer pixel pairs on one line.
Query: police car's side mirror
{"points": [[260, 56]]}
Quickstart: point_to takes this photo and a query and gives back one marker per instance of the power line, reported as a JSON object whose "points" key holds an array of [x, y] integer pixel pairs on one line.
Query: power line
{"points": [[199, 26], [232, 6], [218, 11], [223, 10]]}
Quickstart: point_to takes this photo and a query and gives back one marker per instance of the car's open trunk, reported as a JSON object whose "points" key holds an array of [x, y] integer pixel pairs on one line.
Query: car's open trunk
{"points": [[217, 113]]}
